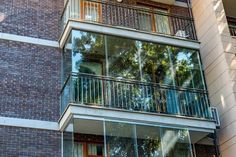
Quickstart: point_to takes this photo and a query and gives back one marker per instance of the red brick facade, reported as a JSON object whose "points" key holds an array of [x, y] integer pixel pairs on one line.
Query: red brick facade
{"points": [[30, 78], [23, 142], [35, 18]]}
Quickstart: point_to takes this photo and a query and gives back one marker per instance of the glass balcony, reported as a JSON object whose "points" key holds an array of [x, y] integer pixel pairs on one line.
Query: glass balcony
{"points": [[138, 18], [132, 75], [109, 138]]}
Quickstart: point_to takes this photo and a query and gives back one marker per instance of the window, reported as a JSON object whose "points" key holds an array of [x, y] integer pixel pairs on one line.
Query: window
{"points": [[162, 22], [91, 11]]}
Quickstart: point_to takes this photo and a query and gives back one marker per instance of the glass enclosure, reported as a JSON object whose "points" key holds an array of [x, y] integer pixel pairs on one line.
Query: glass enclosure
{"points": [[94, 138], [98, 54], [130, 74]]}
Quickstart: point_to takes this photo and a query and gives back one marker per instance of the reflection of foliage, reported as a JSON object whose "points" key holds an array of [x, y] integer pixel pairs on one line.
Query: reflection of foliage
{"points": [[186, 66], [155, 62], [120, 145], [137, 60], [88, 43], [182, 135], [123, 58], [149, 147], [159, 63]]}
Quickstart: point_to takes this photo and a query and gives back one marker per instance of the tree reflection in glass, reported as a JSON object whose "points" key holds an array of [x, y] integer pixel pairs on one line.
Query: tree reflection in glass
{"points": [[88, 57]]}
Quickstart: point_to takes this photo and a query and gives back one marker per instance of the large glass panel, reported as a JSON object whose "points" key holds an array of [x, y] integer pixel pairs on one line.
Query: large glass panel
{"points": [[66, 60], [123, 57], [176, 143], [88, 54], [88, 138], [120, 139], [187, 68], [88, 57], [156, 63], [68, 140], [149, 141]]}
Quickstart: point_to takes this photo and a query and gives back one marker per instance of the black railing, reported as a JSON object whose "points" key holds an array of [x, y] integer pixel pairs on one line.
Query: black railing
{"points": [[232, 29], [129, 95], [129, 16]]}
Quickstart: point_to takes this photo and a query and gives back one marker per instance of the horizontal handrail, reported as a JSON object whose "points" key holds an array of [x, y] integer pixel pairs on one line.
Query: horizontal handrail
{"points": [[124, 80]]}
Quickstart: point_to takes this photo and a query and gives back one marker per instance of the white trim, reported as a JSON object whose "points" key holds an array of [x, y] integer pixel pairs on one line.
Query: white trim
{"points": [[28, 123], [135, 117], [30, 40], [127, 33]]}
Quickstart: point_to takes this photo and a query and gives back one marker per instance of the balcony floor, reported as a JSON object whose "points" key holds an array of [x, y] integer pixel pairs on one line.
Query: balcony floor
{"points": [[127, 33], [101, 113]]}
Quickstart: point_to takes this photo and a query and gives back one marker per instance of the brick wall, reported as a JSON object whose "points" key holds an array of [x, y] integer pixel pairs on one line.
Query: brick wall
{"points": [[30, 79], [35, 18], [23, 142]]}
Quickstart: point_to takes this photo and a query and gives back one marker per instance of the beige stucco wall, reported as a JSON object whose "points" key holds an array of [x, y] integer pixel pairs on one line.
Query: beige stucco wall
{"points": [[218, 56]]}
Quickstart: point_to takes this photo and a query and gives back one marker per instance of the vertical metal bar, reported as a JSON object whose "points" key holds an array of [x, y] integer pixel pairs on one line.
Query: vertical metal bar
{"points": [[102, 96], [135, 140], [94, 91], [82, 90], [105, 139], [121, 95], [114, 93]]}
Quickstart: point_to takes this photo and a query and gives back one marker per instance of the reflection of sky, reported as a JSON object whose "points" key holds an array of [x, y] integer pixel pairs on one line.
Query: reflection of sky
{"points": [[76, 62], [183, 56], [79, 35], [77, 57]]}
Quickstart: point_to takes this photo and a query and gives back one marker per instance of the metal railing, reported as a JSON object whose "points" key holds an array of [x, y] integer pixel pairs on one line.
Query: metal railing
{"points": [[129, 95], [232, 29], [134, 17]]}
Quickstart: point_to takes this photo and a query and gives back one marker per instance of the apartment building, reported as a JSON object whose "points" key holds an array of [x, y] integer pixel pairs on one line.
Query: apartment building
{"points": [[119, 78], [215, 25]]}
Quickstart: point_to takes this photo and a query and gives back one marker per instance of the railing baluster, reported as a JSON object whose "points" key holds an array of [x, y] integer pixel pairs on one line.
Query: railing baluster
{"points": [[128, 16], [141, 96]]}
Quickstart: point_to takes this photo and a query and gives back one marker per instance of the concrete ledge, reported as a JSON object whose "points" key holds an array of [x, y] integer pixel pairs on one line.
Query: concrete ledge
{"points": [[98, 113], [127, 33], [28, 123], [30, 40]]}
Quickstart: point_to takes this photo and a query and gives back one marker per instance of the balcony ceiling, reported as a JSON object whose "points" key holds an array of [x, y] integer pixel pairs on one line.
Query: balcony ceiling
{"points": [[229, 6], [171, 2]]}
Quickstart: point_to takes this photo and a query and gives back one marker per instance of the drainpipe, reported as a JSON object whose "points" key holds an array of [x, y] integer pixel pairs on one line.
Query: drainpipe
{"points": [[216, 144]]}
